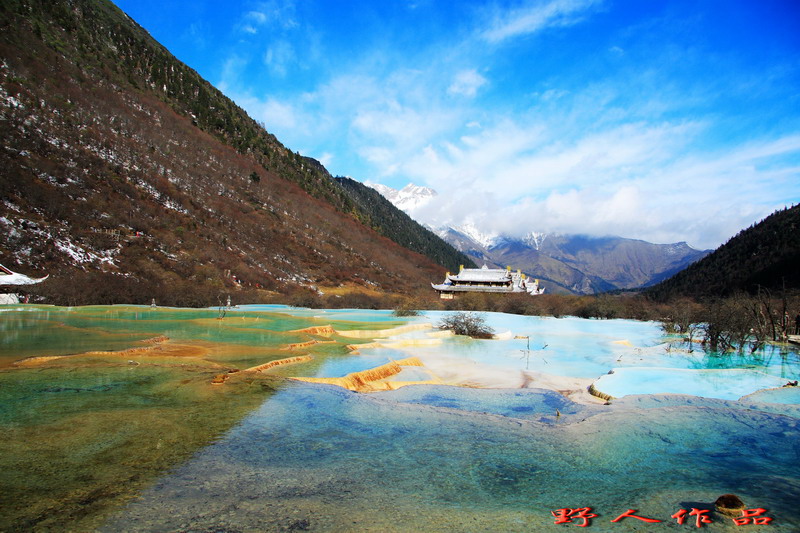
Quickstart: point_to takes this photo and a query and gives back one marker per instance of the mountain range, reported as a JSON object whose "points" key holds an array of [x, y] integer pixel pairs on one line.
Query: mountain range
{"points": [[576, 264]]}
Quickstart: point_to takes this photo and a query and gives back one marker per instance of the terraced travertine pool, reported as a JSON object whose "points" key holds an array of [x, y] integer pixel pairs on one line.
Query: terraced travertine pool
{"points": [[112, 421]]}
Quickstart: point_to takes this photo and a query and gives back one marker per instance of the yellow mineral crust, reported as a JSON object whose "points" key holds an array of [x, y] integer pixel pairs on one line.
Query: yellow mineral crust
{"points": [[156, 348], [171, 350], [374, 378], [602, 395], [322, 331], [296, 345], [396, 343], [219, 379], [286, 361], [383, 333], [157, 340], [354, 348], [33, 361]]}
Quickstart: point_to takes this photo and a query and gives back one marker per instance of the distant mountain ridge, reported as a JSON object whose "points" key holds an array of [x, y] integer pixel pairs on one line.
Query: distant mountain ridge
{"points": [[568, 263], [764, 256]]}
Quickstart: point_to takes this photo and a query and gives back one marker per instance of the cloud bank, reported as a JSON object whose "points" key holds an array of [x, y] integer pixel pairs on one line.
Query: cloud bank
{"points": [[666, 121]]}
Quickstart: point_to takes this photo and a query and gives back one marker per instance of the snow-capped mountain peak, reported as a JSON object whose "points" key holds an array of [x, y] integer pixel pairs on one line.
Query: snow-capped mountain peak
{"points": [[406, 199], [387, 192], [411, 197]]}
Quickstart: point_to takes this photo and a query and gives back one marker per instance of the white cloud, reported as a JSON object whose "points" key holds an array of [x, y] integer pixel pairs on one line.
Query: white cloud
{"points": [[257, 17], [382, 158], [396, 123], [467, 83], [269, 14], [276, 115], [535, 17], [231, 70], [588, 164], [325, 158], [553, 94], [701, 198], [279, 57]]}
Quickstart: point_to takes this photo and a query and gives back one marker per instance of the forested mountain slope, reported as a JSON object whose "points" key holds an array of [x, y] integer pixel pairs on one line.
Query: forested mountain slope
{"points": [[765, 255], [127, 176]]}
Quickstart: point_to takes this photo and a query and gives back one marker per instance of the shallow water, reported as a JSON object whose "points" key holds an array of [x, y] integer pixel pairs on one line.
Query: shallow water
{"points": [[450, 459], [726, 384], [641, 357], [86, 433]]}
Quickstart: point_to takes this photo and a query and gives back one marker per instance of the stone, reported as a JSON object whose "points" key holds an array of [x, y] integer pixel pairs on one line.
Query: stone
{"points": [[729, 505]]}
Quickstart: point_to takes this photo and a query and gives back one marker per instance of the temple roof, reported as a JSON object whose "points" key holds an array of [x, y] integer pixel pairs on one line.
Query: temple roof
{"points": [[8, 277], [484, 274], [487, 279], [473, 288]]}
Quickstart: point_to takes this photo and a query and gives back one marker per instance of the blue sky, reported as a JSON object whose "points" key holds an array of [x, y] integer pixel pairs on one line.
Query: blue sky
{"points": [[660, 120]]}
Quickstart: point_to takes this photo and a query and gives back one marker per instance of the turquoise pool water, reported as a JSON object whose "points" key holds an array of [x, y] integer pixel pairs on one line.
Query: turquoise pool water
{"points": [[642, 360], [144, 442], [584, 348]]}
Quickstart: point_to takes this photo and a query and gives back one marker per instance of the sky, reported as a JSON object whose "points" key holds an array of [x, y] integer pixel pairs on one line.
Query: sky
{"points": [[665, 121]]}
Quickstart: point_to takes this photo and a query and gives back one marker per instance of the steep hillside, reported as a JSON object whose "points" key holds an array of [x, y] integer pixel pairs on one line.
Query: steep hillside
{"points": [[393, 223], [127, 176], [765, 255]]}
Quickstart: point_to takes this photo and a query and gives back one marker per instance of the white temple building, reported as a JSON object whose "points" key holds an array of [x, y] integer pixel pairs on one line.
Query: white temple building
{"points": [[486, 279], [10, 278]]}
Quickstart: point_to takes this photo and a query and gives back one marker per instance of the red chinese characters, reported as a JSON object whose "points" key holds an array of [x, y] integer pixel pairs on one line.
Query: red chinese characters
{"points": [[631, 513], [566, 516], [582, 516], [701, 514], [752, 516]]}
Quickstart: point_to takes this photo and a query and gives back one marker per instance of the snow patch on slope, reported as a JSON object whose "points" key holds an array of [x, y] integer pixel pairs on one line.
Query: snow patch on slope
{"points": [[485, 239], [535, 239]]}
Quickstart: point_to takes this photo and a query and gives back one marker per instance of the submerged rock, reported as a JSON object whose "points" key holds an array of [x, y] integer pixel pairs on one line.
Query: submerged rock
{"points": [[729, 505]]}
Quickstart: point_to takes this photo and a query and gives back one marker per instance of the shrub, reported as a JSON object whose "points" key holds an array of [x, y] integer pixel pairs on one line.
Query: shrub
{"points": [[470, 324], [516, 304], [301, 297], [406, 307], [358, 300]]}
